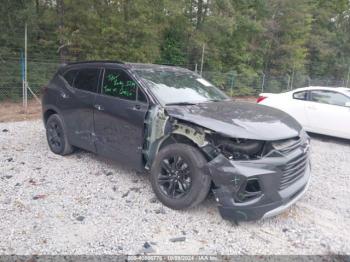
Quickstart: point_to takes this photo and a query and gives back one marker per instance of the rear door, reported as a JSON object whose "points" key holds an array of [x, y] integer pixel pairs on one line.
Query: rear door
{"points": [[119, 118], [327, 112], [76, 103]]}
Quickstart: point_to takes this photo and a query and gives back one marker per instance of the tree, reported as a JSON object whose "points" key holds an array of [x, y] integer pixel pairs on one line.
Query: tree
{"points": [[287, 31], [280, 38]]}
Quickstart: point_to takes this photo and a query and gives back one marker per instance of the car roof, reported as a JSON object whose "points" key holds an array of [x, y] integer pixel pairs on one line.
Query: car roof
{"points": [[341, 89], [127, 65], [139, 66], [96, 62]]}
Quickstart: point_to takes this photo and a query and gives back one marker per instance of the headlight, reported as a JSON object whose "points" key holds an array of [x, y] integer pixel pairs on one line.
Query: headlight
{"points": [[286, 146], [283, 144]]}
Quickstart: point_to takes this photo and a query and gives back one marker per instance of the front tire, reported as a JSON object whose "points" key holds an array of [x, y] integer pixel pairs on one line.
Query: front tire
{"points": [[176, 176], [57, 136]]}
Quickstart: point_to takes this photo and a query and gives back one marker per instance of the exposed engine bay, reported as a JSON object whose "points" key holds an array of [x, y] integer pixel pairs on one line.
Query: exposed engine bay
{"points": [[237, 149], [241, 169], [159, 127]]}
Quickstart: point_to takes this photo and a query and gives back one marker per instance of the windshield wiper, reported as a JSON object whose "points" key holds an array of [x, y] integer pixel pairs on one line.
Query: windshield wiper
{"points": [[181, 104]]}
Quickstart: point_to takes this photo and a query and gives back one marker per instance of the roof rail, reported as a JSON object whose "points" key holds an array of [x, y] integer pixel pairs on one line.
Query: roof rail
{"points": [[167, 64], [96, 61]]}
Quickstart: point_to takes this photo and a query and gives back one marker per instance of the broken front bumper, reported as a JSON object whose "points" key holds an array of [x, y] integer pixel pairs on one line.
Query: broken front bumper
{"points": [[278, 183]]}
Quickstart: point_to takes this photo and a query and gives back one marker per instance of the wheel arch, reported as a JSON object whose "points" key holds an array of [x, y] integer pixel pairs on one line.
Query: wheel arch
{"points": [[48, 111], [47, 114], [176, 138]]}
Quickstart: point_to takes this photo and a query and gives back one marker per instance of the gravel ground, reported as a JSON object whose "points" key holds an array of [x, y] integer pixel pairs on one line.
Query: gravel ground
{"points": [[83, 204]]}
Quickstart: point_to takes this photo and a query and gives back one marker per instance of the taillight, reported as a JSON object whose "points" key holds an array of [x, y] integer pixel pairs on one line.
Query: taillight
{"points": [[260, 98], [44, 89]]}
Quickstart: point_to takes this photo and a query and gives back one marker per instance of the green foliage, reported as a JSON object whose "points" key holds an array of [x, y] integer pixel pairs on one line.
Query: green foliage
{"points": [[281, 38]]}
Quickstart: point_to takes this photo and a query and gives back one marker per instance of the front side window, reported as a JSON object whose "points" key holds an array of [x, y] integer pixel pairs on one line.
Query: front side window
{"points": [[87, 79], [172, 86], [141, 97], [118, 83], [329, 97], [300, 95]]}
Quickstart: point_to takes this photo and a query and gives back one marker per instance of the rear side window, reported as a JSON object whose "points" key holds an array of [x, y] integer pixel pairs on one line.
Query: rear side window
{"points": [[69, 76], [329, 97], [87, 79], [118, 83], [300, 95]]}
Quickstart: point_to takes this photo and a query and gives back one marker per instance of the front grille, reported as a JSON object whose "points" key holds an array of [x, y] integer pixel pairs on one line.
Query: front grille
{"points": [[293, 170]]}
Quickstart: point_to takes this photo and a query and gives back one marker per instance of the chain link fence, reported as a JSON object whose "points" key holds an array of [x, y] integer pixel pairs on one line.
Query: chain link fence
{"points": [[243, 85], [40, 72]]}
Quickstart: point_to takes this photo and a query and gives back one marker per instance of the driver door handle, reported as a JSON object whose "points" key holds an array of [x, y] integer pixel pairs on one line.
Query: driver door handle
{"points": [[99, 107], [135, 107]]}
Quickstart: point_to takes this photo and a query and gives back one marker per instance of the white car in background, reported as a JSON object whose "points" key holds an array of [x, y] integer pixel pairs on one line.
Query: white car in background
{"points": [[323, 110]]}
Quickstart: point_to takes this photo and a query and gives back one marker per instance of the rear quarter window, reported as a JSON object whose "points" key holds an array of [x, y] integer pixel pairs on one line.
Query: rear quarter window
{"points": [[302, 95], [69, 76]]}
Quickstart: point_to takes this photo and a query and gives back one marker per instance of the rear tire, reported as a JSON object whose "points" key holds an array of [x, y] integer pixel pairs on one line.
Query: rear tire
{"points": [[57, 136], [176, 177]]}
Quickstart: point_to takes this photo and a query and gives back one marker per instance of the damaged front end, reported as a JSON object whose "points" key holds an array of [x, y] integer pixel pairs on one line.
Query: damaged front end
{"points": [[162, 129], [252, 179], [260, 179]]}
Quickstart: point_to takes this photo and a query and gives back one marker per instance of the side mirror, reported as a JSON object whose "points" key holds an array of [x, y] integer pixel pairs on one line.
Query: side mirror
{"points": [[347, 104]]}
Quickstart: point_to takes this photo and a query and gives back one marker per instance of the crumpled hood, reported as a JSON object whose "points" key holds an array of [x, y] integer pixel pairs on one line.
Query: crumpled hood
{"points": [[239, 119]]}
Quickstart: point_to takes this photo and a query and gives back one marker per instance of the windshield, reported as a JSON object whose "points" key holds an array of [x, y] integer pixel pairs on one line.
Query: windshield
{"points": [[180, 87]]}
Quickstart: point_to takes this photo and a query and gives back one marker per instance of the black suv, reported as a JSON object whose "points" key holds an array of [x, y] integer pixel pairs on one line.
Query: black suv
{"points": [[186, 132]]}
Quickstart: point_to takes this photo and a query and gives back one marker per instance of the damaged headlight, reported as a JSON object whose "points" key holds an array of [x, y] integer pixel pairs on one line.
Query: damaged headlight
{"points": [[286, 146], [283, 144], [238, 149]]}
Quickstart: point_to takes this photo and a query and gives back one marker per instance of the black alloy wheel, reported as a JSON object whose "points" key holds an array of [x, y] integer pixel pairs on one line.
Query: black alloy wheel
{"points": [[174, 178], [54, 136], [177, 177]]}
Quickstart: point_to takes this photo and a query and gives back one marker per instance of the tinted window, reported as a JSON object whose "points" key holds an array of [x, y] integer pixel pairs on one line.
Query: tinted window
{"points": [[141, 96], [300, 95], [329, 97], [87, 79], [69, 76], [118, 83]]}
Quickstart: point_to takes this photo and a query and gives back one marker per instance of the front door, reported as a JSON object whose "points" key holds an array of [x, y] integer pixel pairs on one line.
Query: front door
{"points": [[119, 118], [327, 112]]}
